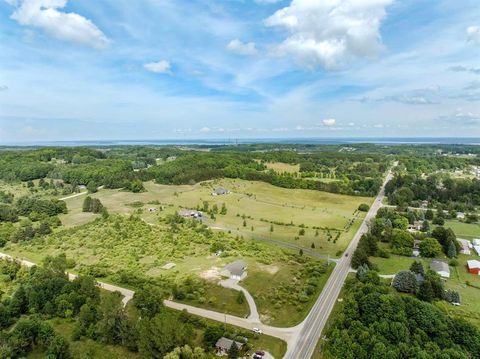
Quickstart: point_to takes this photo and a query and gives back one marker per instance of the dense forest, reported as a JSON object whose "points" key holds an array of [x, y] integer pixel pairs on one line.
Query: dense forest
{"points": [[350, 169], [145, 326], [376, 323]]}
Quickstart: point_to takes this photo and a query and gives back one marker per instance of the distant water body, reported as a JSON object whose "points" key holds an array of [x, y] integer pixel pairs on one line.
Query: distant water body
{"points": [[216, 142]]}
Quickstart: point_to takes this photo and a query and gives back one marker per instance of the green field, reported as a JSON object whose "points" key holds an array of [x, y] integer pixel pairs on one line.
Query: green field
{"points": [[464, 230], [395, 263], [122, 247], [271, 286], [260, 205], [281, 167]]}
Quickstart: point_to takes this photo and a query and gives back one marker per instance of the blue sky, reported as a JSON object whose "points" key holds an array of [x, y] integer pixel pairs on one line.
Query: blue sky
{"points": [[164, 69]]}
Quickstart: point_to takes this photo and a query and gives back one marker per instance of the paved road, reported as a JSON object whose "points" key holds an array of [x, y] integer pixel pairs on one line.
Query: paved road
{"points": [[303, 345]]}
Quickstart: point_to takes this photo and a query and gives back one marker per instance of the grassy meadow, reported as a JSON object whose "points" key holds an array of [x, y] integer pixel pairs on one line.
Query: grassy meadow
{"points": [[254, 209]]}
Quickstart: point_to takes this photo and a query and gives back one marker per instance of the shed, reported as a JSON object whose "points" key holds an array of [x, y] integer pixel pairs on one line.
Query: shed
{"points": [[440, 268]]}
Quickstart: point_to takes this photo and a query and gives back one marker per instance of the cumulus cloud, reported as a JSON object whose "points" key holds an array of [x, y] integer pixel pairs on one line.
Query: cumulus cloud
{"points": [[159, 67], [241, 48], [473, 34], [44, 14], [327, 33], [329, 122], [3, 88]]}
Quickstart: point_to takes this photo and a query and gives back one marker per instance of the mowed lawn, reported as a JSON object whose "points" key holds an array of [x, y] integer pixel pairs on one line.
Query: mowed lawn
{"points": [[262, 205], [464, 230], [459, 276]]}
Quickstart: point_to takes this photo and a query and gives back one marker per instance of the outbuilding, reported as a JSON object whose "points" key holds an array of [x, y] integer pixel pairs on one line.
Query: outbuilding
{"points": [[473, 266], [441, 268]]}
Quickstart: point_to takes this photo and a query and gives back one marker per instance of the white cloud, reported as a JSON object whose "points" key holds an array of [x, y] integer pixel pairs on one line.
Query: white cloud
{"points": [[326, 33], [329, 122], [3, 88], [241, 48], [461, 118], [44, 14], [473, 34], [159, 67]]}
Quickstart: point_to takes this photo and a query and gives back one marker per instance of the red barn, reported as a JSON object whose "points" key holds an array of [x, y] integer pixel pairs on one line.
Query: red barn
{"points": [[473, 266]]}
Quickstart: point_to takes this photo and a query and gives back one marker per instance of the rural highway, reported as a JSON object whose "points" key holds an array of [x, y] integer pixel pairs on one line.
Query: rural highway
{"points": [[301, 339], [303, 345]]}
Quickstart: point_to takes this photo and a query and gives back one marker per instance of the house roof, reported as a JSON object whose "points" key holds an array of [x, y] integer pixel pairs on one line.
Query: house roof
{"points": [[464, 243], [236, 268], [439, 266], [473, 264], [226, 344]]}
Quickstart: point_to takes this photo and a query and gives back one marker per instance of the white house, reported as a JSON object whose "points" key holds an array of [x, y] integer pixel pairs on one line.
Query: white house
{"points": [[440, 268]]}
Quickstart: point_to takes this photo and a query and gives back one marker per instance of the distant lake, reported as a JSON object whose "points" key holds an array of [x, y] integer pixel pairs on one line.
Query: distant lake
{"points": [[213, 142]]}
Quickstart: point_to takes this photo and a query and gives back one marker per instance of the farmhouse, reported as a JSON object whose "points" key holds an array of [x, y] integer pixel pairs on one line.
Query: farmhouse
{"points": [[223, 345], [220, 191], [465, 246], [235, 270], [473, 266], [460, 215], [440, 268], [190, 213]]}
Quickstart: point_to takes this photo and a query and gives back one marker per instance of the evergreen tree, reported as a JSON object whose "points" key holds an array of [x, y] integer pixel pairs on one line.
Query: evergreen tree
{"points": [[87, 204], [233, 352], [417, 268], [452, 250], [426, 292]]}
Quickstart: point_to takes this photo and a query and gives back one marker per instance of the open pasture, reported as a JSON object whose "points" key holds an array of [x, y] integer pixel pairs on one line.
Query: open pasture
{"points": [[322, 221]]}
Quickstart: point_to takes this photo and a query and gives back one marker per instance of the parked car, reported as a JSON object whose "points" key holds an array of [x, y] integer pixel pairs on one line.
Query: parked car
{"points": [[258, 331]]}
